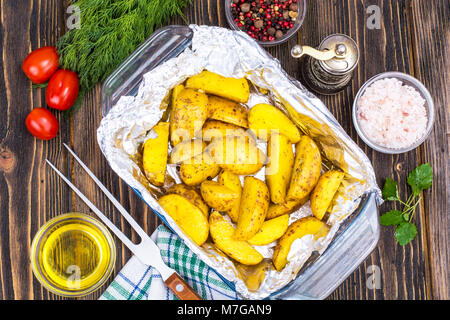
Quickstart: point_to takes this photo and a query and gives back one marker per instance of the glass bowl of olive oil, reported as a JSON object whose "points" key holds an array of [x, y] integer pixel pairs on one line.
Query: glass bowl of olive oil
{"points": [[73, 255]]}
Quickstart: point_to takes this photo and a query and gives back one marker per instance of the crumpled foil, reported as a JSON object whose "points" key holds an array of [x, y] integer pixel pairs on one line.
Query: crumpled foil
{"points": [[233, 54]]}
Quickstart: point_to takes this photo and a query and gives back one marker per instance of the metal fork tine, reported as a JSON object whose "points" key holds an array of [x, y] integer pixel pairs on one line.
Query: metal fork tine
{"points": [[116, 203], [105, 220]]}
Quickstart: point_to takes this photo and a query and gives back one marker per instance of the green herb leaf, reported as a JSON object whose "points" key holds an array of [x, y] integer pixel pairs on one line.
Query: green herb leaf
{"points": [[390, 190], [39, 85], [392, 218], [420, 178], [405, 233]]}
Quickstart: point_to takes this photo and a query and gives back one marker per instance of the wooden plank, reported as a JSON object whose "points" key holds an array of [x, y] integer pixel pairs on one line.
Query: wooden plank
{"points": [[29, 195], [431, 44]]}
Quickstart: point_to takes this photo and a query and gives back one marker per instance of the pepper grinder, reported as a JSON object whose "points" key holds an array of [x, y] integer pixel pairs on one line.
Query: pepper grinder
{"points": [[328, 69]]}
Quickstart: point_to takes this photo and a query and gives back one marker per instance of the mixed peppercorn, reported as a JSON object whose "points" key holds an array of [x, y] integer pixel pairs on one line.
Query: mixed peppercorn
{"points": [[265, 20]]}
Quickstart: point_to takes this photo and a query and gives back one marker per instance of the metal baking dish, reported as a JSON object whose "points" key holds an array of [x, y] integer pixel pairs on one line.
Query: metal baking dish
{"points": [[357, 236]]}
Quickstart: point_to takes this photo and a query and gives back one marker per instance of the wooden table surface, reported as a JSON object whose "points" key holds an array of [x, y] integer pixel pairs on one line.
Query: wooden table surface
{"points": [[413, 38]]}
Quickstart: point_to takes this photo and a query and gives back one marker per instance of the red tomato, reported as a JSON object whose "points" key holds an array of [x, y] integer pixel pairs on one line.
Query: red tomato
{"points": [[62, 89], [40, 64], [42, 124]]}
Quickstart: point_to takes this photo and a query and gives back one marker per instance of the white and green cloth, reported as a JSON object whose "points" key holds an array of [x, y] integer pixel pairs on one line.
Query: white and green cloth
{"points": [[137, 281]]}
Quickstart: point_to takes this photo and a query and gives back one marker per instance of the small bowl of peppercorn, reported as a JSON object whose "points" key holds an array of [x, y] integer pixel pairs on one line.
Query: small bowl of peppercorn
{"points": [[269, 22]]}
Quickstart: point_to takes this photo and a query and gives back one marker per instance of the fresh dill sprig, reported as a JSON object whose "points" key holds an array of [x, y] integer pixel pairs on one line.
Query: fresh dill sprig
{"points": [[110, 31]]}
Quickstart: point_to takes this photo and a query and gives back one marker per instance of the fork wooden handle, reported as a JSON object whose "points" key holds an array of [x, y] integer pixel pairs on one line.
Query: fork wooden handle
{"points": [[180, 288]]}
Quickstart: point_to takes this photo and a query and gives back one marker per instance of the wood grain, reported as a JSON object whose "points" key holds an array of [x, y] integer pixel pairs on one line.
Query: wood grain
{"points": [[414, 38], [431, 45], [29, 196]]}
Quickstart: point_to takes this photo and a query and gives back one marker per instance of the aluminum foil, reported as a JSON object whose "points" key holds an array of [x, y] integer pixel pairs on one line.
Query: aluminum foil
{"points": [[233, 54]]}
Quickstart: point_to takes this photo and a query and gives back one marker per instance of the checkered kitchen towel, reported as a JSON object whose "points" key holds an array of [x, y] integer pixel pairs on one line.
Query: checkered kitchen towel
{"points": [[137, 281]]}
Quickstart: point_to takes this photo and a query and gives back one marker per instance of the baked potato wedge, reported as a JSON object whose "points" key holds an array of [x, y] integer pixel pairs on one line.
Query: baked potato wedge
{"points": [[227, 111], [270, 231], [213, 83], [306, 171], [185, 150], [217, 196], [296, 230], [189, 113], [191, 194], [278, 171], [187, 216], [198, 169], [217, 129], [154, 157], [253, 208], [276, 210], [239, 155], [175, 92], [324, 192], [263, 119], [232, 181], [222, 235]]}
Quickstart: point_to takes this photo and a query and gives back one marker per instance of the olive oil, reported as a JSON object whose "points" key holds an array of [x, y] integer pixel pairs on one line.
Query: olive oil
{"points": [[73, 255]]}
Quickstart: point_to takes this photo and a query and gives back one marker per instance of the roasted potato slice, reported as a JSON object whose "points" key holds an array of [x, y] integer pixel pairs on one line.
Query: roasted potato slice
{"points": [[227, 111], [222, 235], [154, 158], [187, 216], [217, 196], [175, 92], [217, 129], [213, 83], [186, 150], [198, 169], [232, 181], [306, 171], [278, 171], [270, 231], [276, 210], [253, 208], [324, 192], [298, 229], [239, 155], [263, 119], [189, 113], [192, 195]]}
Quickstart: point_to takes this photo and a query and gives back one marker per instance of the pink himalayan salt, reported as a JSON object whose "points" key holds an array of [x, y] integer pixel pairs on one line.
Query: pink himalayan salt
{"points": [[392, 114]]}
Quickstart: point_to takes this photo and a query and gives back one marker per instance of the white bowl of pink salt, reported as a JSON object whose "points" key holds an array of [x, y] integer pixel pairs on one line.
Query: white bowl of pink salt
{"points": [[393, 112]]}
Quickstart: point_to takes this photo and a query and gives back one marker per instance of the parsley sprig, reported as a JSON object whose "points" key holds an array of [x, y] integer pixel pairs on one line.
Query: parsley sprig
{"points": [[419, 179]]}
